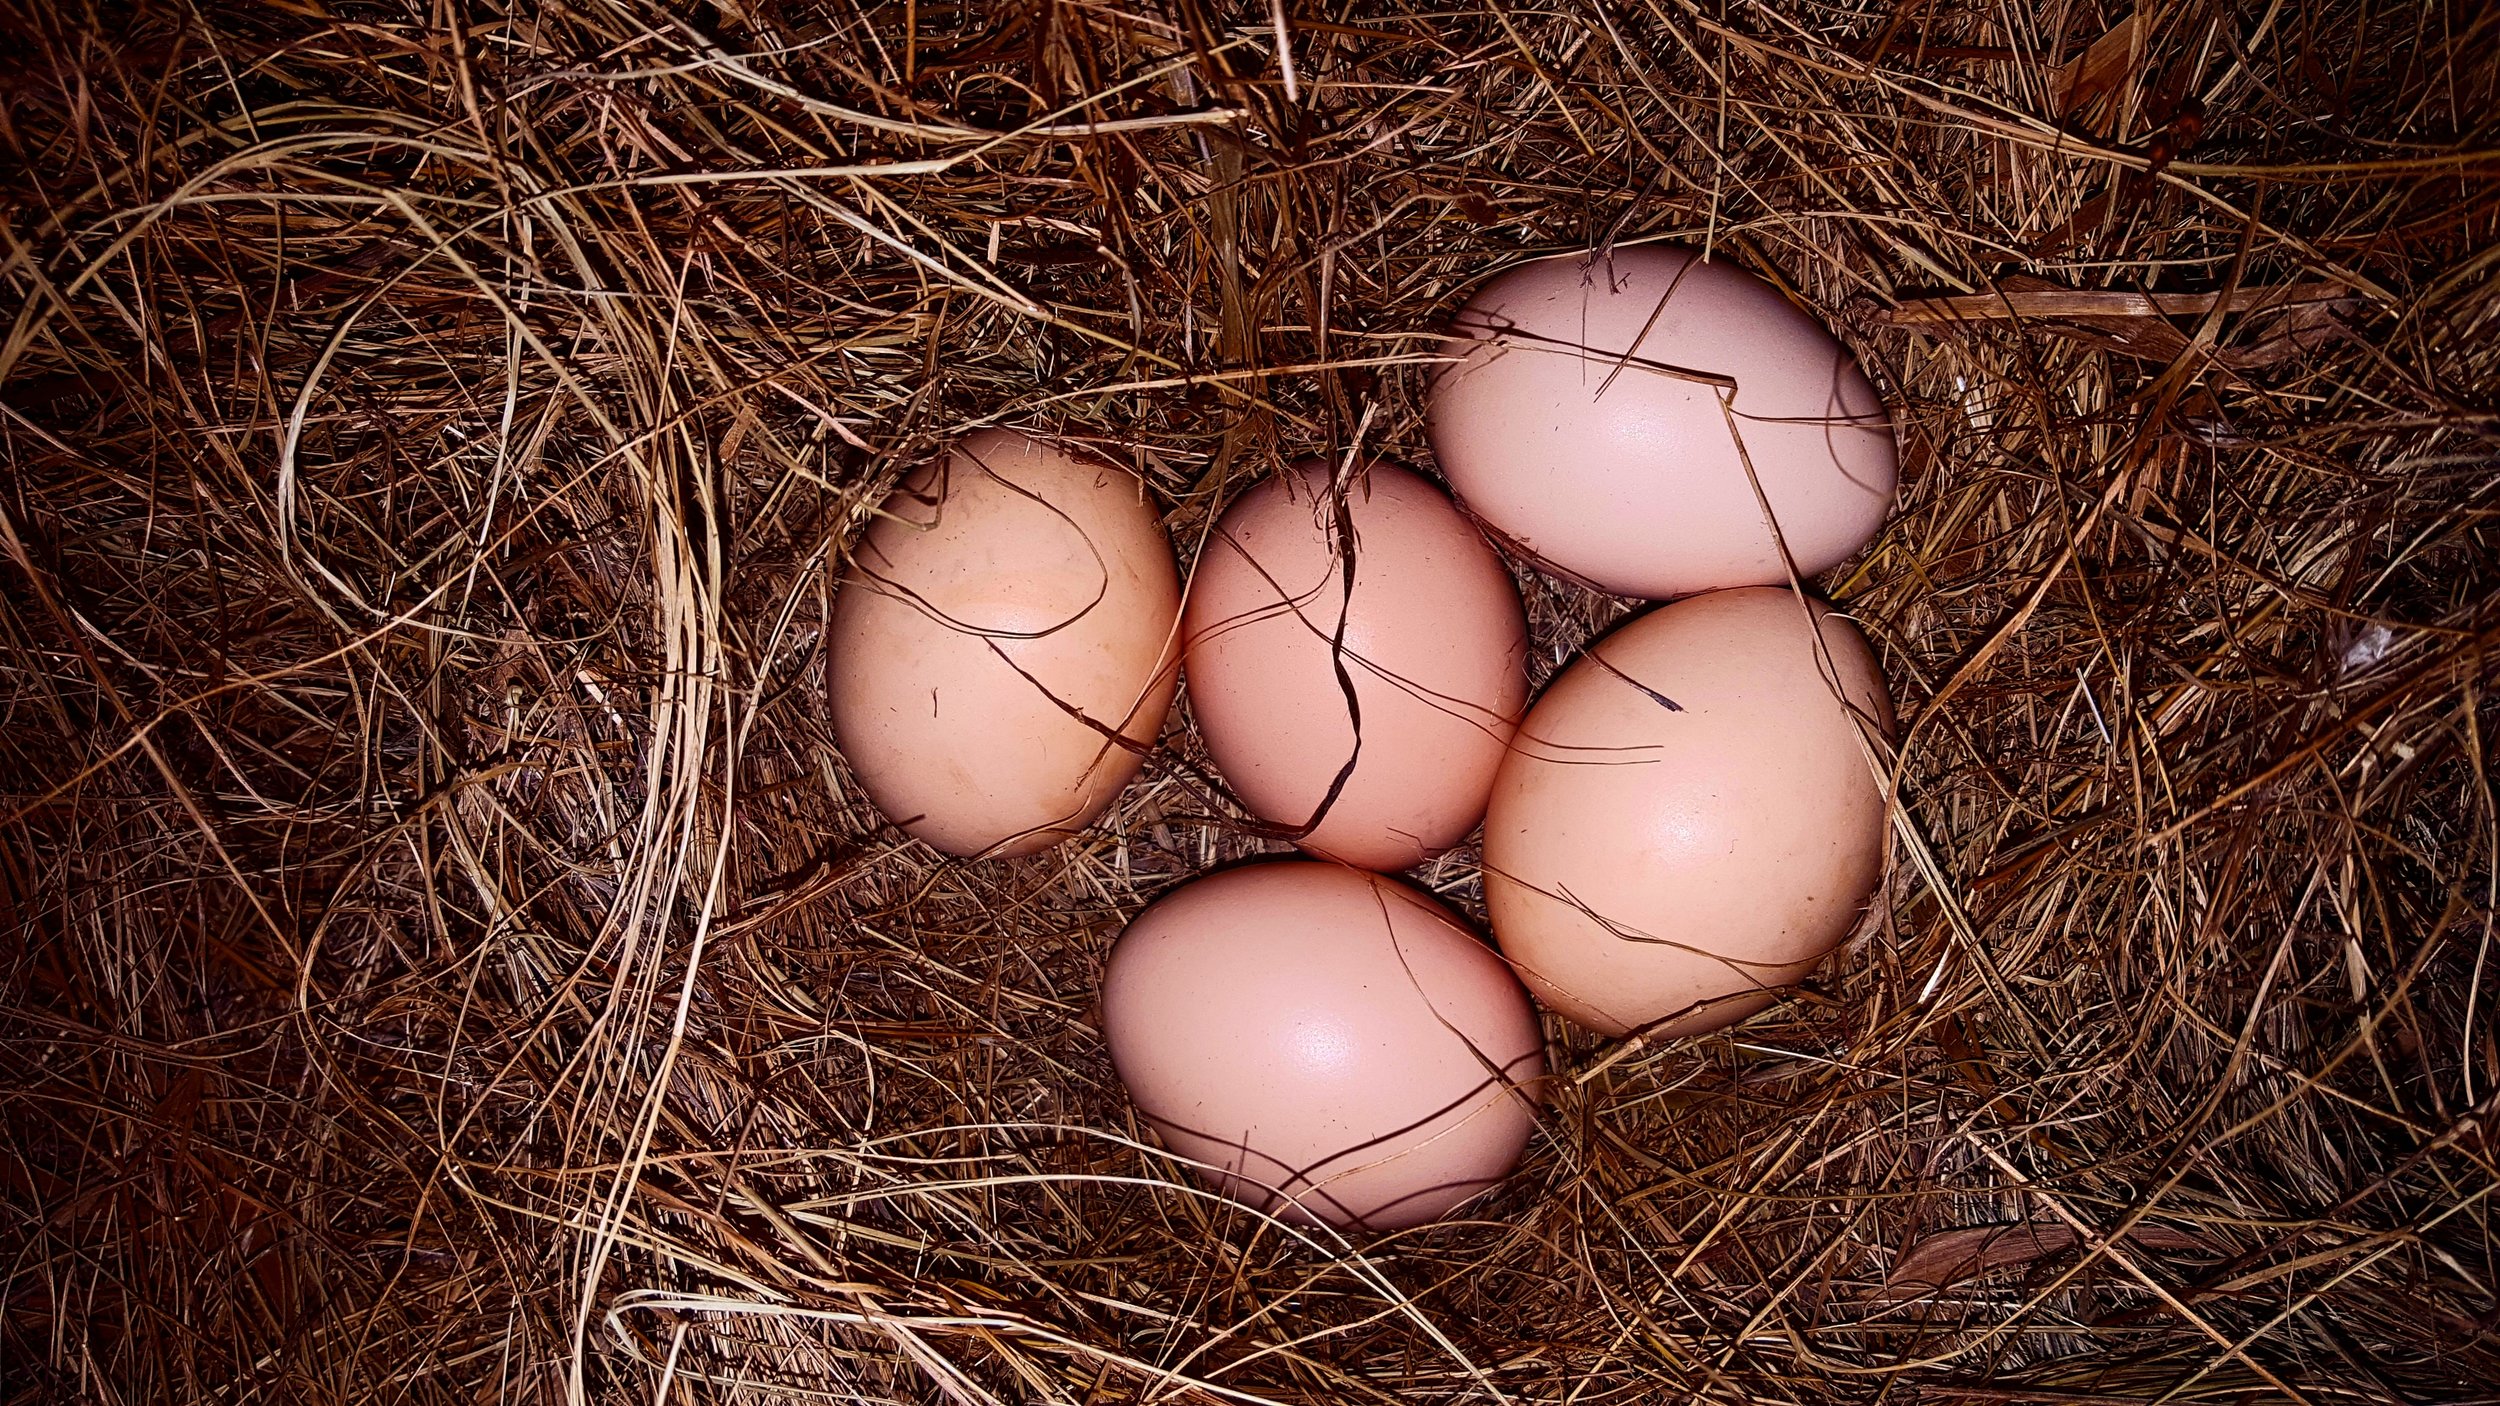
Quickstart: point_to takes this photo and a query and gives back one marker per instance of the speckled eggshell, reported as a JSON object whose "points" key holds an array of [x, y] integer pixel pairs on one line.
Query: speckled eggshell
{"points": [[1004, 591], [1575, 423], [1434, 645], [1326, 1040], [1688, 818]]}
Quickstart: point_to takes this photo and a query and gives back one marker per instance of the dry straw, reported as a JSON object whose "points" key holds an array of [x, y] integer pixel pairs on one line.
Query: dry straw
{"points": [[446, 962]]}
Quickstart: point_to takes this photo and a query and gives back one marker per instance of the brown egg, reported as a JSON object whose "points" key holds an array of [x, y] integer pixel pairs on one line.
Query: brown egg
{"points": [[1326, 1040], [1688, 817], [1586, 422], [1431, 639], [1003, 647]]}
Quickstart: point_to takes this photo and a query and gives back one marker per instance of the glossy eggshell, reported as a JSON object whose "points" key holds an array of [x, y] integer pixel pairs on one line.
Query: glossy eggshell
{"points": [[1645, 861], [1326, 1039], [1574, 426], [1434, 645], [1003, 590]]}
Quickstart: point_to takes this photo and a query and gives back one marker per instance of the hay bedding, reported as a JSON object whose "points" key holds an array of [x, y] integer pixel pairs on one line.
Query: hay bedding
{"points": [[447, 962]]}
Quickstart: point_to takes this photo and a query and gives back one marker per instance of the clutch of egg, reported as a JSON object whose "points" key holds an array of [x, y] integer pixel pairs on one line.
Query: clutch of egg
{"points": [[1686, 823]]}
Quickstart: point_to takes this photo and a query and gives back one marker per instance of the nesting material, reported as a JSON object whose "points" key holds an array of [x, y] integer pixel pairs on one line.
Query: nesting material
{"points": [[444, 959]]}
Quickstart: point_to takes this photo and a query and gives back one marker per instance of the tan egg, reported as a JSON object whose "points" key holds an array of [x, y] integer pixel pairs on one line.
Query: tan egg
{"points": [[1003, 648], [1430, 637], [1688, 818], [1586, 422], [1332, 1043]]}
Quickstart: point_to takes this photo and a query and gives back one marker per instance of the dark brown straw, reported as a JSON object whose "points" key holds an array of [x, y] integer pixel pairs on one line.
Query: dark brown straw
{"points": [[446, 961]]}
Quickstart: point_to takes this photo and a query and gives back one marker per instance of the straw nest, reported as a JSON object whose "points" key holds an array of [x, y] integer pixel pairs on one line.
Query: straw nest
{"points": [[446, 960]]}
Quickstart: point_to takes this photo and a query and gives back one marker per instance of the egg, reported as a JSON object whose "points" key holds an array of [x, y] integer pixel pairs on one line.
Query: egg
{"points": [[1688, 818], [1428, 634], [1004, 647], [1603, 411], [1330, 1044]]}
